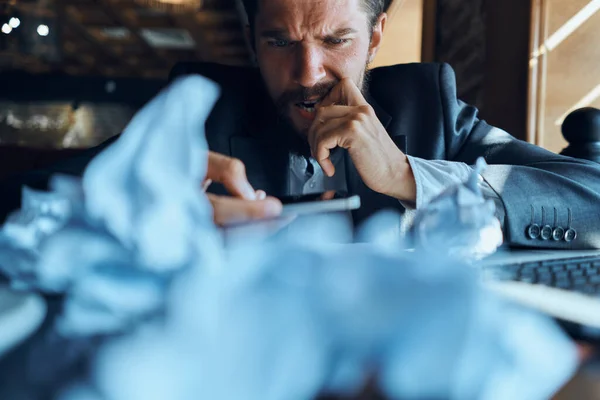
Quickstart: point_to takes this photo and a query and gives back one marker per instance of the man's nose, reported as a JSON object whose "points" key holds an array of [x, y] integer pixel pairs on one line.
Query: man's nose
{"points": [[309, 66]]}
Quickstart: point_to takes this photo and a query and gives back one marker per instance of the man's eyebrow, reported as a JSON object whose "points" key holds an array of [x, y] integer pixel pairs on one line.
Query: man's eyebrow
{"points": [[344, 32], [271, 33]]}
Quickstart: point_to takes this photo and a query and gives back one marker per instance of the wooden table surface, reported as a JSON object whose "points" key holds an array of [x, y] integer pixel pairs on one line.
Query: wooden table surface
{"points": [[584, 386]]}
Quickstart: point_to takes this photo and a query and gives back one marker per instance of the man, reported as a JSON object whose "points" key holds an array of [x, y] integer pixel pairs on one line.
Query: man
{"points": [[312, 118]]}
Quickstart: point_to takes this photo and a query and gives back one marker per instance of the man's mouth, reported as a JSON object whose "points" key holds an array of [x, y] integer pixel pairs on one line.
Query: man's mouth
{"points": [[308, 106]]}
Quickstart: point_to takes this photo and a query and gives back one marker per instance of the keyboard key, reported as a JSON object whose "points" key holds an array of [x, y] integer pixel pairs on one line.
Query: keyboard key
{"points": [[585, 265], [558, 268], [596, 263], [527, 271], [561, 275], [594, 279], [545, 275], [570, 267], [512, 267], [576, 273], [579, 281], [586, 289], [548, 281], [563, 284], [523, 274]]}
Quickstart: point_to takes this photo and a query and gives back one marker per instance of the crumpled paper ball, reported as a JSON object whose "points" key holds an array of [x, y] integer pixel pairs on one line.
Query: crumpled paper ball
{"points": [[42, 214], [157, 212], [294, 322], [112, 240], [459, 221]]}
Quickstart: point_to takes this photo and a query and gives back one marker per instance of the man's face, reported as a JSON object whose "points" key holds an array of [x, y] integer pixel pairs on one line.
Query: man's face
{"points": [[305, 47]]}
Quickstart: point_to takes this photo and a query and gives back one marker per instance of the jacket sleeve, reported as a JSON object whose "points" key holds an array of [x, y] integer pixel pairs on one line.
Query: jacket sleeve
{"points": [[535, 187]]}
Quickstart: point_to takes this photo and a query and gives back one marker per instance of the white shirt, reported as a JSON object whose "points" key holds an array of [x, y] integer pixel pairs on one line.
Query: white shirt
{"points": [[305, 180], [431, 177]]}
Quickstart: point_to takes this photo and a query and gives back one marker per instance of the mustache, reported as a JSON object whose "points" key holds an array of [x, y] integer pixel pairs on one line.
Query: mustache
{"points": [[302, 94]]}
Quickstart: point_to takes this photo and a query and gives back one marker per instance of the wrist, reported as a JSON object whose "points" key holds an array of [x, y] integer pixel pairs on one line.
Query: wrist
{"points": [[403, 184]]}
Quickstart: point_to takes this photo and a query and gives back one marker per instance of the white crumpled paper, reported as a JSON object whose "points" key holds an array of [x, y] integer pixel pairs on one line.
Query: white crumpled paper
{"points": [[459, 221], [142, 218], [288, 318]]}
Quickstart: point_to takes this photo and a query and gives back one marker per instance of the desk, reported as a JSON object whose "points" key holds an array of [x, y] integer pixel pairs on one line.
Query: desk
{"points": [[584, 386]]}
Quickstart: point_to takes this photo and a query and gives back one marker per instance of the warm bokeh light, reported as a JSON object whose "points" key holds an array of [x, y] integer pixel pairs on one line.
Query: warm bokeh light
{"points": [[6, 28], [43, 30], [14, 22], [172, 5]]}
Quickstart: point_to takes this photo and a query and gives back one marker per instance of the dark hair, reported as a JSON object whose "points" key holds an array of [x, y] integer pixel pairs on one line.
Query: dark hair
{"points": [[373, 8]]}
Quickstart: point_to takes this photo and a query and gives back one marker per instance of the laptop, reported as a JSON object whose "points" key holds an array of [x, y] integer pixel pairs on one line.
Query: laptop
{"points": [[564, 284]]}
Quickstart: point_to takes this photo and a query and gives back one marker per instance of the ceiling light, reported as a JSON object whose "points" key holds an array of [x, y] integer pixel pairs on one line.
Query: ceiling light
{"points": [[43, 30], [6, 28], [14, 22]]}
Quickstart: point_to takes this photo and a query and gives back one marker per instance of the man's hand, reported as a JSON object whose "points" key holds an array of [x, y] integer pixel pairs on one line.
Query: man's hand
{"points": [[345, 119], [245, 203]]}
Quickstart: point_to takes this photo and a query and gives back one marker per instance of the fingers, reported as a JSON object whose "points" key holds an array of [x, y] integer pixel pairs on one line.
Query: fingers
{"points": [[231, 173], [329, 195], [326, 137], [327, 112], [346, 93], [247, 204], [352, 94], [229, 210]]}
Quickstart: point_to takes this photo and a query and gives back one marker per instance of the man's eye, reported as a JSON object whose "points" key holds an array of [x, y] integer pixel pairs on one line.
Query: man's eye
{"points": [[336, 41], [279, 43]]}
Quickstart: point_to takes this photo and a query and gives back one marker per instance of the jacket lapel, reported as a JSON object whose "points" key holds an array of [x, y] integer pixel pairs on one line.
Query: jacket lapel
{"points": [[383, 116], [266, 161], [266, 167]]}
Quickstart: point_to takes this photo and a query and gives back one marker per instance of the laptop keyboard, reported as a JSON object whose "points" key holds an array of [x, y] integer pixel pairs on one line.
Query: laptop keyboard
{"points": [[578, 274]]}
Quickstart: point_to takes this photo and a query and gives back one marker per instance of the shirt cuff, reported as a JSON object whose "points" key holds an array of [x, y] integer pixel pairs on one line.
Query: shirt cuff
{"points": [[432, 177]]}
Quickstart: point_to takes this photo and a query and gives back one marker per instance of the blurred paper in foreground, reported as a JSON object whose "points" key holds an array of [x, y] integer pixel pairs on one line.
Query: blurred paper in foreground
{"points": [[288, 318]]}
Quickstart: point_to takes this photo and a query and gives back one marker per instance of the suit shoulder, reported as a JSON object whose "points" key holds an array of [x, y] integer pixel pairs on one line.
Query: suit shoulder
{"points": [[413, 74], [417, 83], [417, 68]]}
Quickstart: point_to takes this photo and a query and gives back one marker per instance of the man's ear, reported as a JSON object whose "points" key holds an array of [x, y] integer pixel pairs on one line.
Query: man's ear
{"points": [[377, 36]]}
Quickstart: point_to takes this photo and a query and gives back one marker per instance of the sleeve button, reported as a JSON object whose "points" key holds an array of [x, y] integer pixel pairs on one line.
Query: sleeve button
{"points": [[533, 231], [570, 235]]}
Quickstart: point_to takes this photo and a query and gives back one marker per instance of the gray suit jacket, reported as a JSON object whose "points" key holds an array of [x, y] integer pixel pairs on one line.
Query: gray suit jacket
{"points": [[417, 105]]}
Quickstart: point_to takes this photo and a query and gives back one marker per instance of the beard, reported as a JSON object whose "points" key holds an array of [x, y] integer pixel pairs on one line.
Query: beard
{"points": [[293, 139]]}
